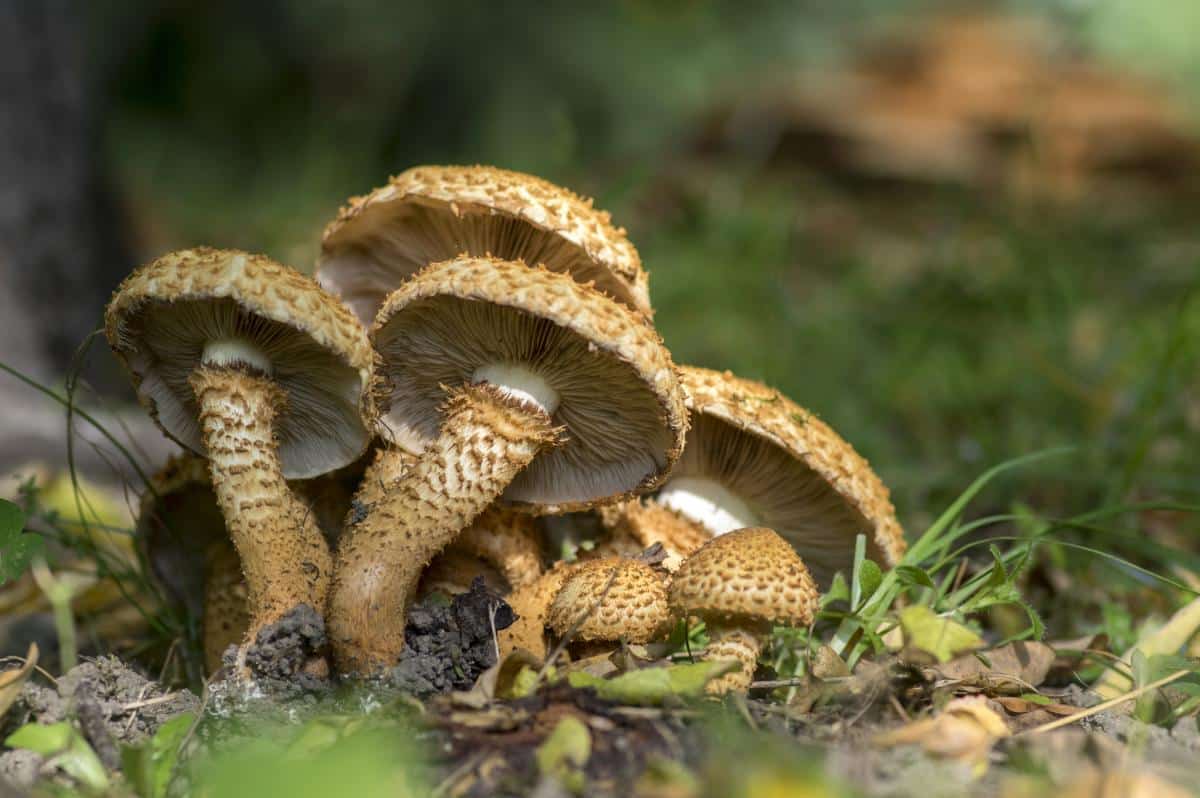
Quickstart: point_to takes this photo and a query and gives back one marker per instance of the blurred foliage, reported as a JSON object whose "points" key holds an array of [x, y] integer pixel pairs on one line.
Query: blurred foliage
{"points": [[939, 329]]}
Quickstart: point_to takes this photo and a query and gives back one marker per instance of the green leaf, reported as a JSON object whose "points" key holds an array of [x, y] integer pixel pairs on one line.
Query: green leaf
{"points": [[17, 549], [150, 766], [911, 575], [838, 590], [869, 578], [942, 638], [565, 752], [65, 748], [653, 686]]}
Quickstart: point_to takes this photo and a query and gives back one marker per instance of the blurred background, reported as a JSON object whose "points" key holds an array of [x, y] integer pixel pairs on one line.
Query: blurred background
{"points": [[957, 232]]}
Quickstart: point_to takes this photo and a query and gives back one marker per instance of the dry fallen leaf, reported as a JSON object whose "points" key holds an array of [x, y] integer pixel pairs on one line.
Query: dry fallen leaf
{"points": [[965, 731], [12, 681], [1013, 668]]}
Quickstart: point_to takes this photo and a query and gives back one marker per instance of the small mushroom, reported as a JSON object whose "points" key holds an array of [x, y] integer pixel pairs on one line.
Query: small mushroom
{"points": [[604, 601], [182, 537], [452, 572], [433, 213], [506, 381], [753, 457], [531, 604], [741, 584], [255, 366], [500, 545]]}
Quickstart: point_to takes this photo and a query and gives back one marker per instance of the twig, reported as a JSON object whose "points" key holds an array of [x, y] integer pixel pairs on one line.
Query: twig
{"points": [[133, 717], [460, 771], [1112, 702], [150, 702]]}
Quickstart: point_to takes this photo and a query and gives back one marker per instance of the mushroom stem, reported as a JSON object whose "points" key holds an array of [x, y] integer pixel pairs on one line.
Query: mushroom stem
{"points": [[732, 642], [226, 616], [506, 540], [487, 438], [285, 558]]}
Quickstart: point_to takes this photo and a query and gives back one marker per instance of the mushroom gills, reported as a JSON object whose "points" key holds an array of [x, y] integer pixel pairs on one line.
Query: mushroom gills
{"points": [[707, 502]]}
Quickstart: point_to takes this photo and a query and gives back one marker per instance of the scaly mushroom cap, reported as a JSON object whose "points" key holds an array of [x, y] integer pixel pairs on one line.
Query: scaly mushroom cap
{"points": [[178, 521], [616, 395], [433, 213], [634, 608], [748, 576], [792, 472], [165, 314]]}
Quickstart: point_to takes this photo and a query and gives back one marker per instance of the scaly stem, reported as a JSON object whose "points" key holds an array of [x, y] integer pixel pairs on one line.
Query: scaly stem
{"points": [[226, 614], [731, 642], [486, 440], [284, 557]]}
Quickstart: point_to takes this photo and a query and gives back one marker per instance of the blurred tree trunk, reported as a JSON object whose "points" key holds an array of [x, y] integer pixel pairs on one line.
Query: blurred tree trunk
{"points": [[61, 248]]}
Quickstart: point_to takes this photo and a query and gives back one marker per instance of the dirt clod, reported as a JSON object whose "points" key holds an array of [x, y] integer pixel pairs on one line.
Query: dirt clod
{"points": [[446, 647], [283, 649]]}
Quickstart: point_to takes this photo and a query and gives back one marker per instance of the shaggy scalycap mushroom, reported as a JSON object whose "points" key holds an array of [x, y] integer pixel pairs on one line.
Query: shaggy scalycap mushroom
{"points": [[433, 213], [603, 601], [182, 537], [509, 382], [255, 366], [741, 584], [500, 545], [753, 457], [531, 604]]}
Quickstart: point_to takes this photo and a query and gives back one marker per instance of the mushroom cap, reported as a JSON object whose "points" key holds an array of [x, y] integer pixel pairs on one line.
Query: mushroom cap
{"points": [[162, 315], [798, 475], [178, 520], [635, 606], [619, 403], [748, 575], [453, 571], [433, 213]]}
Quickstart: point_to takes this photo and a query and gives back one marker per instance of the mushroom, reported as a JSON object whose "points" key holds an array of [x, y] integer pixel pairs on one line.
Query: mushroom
{"points": [[741, 584], [753, 457], [181, 535], [500, 545], [604, 601], [512, 382], [255, 366], [531, 604], [433, 213]]}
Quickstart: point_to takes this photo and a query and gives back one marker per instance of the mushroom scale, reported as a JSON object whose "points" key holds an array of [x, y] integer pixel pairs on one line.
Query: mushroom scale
{"points": [[754, 457], [257, 367], [616, 426], [433, 213], [741, 584]]}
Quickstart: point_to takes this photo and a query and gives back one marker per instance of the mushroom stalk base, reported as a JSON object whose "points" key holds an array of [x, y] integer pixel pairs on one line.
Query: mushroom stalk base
{"points": [[226, 614], [284, 557], [486, 440], [729, 642]]}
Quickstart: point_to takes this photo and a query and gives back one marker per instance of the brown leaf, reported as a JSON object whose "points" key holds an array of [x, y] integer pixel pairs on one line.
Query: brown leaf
{"points": [[964, 731], [11, 682], [1013, 668]]}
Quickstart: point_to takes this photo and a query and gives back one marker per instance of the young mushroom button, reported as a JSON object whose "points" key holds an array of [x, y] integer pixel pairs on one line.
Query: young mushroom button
{"points": [[604, 601], [256, 367], [753, 457], [433, 213], [509, 382], [741, 584]]}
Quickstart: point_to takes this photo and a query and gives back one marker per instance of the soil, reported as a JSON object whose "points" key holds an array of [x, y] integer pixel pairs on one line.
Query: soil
{"points": [[114, 704]]}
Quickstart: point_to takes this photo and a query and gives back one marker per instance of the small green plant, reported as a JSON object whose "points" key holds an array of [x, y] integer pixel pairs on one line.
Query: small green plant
{"points": [[18, 548]]}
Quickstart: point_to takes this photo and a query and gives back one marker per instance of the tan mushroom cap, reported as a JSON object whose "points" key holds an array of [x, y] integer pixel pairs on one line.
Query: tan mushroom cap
{"points": [[619, 407], [634, 608], [163, 314], [747, 575], [798, 475], [432, 213], [178, 520]]}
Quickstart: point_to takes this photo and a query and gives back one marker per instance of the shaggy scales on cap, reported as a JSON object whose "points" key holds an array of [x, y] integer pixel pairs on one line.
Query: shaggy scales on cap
{"points": [[433, 213], [741, 584], [508, 381], [607, 600]]}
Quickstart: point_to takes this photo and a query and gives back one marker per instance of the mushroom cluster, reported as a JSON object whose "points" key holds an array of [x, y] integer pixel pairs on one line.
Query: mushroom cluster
{"points": [[489, 335]]}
